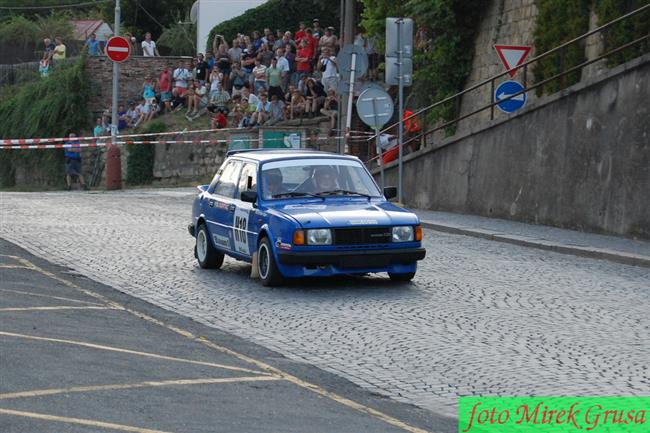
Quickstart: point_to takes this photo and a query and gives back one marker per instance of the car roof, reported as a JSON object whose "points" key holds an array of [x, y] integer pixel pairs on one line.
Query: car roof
{"points": [[264, 155]]}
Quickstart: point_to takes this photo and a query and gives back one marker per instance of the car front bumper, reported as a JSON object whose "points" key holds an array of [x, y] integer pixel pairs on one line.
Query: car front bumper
{"points": [[352, 259]]}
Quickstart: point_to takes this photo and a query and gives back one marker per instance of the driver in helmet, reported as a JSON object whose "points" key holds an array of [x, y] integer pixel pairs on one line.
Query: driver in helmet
{"points": [[325, 179], [273, 180]]}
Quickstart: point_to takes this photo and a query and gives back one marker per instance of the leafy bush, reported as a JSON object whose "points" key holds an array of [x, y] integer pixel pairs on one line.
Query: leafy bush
{"points": [[140, 157], [558, 22], [278, 14], [625, 31], [49, 107]]}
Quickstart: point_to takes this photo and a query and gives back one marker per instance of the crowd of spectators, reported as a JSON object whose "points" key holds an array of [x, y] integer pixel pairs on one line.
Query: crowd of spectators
{"points": [[253, 80]]}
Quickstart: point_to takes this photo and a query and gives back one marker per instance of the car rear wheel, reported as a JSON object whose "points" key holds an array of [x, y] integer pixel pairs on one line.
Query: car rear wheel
{"points": [[268, 271], [206, 254], [401, 277]]}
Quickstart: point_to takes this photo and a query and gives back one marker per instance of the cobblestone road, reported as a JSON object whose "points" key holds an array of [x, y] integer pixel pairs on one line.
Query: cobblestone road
{"points": [[480, 318]]}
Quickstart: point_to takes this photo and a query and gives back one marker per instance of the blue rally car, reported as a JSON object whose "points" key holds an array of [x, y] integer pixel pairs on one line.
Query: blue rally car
{"points": [[303, 213]]}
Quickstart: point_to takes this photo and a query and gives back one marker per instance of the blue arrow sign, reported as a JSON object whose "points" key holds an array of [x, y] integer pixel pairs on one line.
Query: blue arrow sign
{"points": [[506, 89]]}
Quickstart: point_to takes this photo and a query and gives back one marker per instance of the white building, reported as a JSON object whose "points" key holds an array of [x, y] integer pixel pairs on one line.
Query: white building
{"points": [[209, 13]]}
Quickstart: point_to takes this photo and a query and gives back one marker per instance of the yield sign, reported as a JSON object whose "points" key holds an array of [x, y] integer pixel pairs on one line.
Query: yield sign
{"points": [[118, 49], [512, 56]]}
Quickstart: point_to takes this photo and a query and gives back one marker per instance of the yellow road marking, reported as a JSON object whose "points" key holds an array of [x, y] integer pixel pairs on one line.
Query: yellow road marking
{"points": [[79, 421], [20, 292], [119, 386], [274, 371], [129, 351], [60, 307], [14, 267]]}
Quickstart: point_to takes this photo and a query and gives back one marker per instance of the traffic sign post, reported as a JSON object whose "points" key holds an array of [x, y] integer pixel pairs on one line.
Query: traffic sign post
{"points": [[375, 108], [118, 49], [506, 90], [352, 63], [512, 56]]}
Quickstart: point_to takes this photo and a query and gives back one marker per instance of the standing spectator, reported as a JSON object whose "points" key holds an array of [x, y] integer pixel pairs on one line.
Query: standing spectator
{"points": [[93, 45], [328, 40], [276, 114], [330, 109], [259, 75], [44, 68], [73, 162], [300, 34], [237, 79], [313, 43], [98, 131], [224, 63], [283, 65], [315, 96], [49, 49], [58, 55], [165, 87], [303, 58], [266, 55], [201, 69], [291, 60], [181, 75], [235, 51], [316, 28], [148, 88], [280, 42], [215, 78], [257, 41], [149, 48], [327, 64], [210, 60], [274, 80], [248, 60], [129, 37]]}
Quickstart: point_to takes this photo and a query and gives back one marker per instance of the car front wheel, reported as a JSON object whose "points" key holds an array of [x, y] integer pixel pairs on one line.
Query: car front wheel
{"points": [[268, 270], [206, 254]]}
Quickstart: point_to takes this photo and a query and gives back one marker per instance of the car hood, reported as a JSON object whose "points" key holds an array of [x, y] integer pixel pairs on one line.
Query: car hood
{"points": [[340, 213]]}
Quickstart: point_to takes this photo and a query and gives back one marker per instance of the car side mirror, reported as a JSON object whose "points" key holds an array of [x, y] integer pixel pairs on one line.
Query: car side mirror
{"points": [[203, 188], [390, 192], [249, 196]]}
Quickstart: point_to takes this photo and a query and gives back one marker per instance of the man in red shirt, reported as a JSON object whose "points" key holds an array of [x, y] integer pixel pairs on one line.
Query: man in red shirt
{"points": [[303, 58], [300, 34], [165, 85]]}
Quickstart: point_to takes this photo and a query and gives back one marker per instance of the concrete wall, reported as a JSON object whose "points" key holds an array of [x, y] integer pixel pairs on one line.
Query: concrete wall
{"points": [[577, 159]]}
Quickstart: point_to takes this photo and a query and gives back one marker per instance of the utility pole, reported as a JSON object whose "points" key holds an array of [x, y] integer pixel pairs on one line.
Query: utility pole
{"points": [[116, 79], [348, 37]]}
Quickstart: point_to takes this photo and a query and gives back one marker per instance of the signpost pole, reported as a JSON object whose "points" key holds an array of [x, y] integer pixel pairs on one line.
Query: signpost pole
{"points": [[400, 139], [348, 117], [380, 154], [116, 79]]}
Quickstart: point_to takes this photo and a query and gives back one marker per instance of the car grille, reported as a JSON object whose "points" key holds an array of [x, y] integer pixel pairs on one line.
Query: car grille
{"points": [[363, 235]]}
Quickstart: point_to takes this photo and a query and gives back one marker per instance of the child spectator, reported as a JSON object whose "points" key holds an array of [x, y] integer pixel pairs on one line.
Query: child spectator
{"points": [[49, 49], [262, 112], [149, 48], [44, 68], [148, 88], [330, 109], [220, 120], [98, 131]]}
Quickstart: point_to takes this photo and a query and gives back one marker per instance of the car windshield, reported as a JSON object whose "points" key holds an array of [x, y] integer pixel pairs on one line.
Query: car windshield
{"points": [[316, 177]]}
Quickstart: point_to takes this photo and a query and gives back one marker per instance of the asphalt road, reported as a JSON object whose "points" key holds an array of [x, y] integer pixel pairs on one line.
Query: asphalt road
{"points": [[78, 356], [480, 317]]}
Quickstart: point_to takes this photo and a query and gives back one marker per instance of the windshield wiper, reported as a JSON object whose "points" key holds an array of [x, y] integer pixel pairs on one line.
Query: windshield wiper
{"points": [[344, 192], [295, 194]]}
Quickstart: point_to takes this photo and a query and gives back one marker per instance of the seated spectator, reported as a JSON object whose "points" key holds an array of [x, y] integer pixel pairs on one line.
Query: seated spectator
{"points": [[200, 101], [327, 64], [262, 112], [238, 79], [247, 111], [145, 111], [276, 113], [177, 100], [315, 97], [297, 105], [132, 114], [219, 100], [250, 97], [165, 87], [259, 74], [287, 96], [190, 99], [181, 76], [274, 79], [220, 120], [123, 119], [330, 109]]}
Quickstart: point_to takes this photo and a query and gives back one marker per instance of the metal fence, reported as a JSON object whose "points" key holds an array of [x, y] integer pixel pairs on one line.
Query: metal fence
{"points": [[22, 72], [421, 116]]}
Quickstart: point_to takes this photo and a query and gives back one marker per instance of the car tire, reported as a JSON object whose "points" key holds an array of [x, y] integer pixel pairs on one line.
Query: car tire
{"points": [[403, 278], [206, 254], [268, 271]]}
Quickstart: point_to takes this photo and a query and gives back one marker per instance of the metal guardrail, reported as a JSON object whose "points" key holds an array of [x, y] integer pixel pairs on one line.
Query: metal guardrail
{"points": [[561, 49]]}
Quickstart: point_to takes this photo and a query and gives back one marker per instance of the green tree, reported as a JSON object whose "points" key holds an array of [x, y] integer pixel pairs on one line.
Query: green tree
{"points": [[141, 16], [625, 31], [179, 38]]}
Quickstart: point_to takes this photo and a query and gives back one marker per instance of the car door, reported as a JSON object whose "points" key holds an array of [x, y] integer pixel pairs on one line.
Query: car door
{"points": [[244, 226], [221, 206]]}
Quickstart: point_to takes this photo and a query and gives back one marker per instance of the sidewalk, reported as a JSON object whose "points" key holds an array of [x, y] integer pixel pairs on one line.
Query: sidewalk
{"points": [[564, 241]]}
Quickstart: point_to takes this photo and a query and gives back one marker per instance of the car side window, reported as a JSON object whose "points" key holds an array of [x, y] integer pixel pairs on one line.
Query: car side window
{"points": [[216, 177], [227, 182], [248, 178]]}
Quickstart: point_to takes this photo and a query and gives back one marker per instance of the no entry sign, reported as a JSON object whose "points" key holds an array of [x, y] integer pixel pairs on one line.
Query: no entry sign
{"points": [[118, 49]]}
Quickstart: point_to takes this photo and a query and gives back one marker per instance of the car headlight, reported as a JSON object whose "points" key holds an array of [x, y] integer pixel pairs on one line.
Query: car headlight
{"points": [[403, 234], [319, 237]]}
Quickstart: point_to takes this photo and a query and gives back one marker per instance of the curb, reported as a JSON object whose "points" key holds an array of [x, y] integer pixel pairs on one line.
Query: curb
{"points": [[593, 253]]}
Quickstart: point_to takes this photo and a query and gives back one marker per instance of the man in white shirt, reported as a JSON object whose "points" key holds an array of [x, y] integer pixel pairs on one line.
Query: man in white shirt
{"points": [[327, 64], [283, 65], [149, 47], [181, 75]]}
